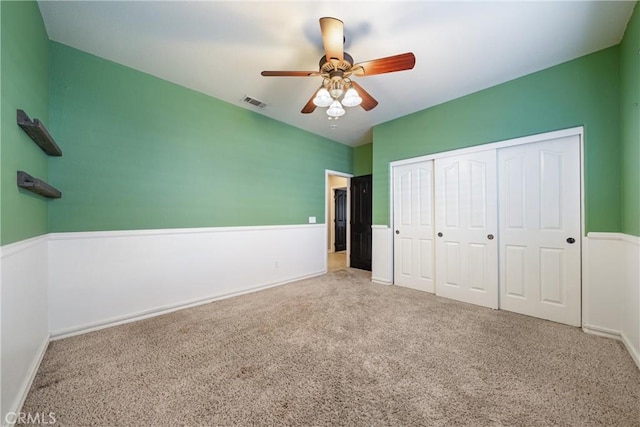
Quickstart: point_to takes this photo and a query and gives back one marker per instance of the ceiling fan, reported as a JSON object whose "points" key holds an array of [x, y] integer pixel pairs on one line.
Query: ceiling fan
{"points": [[336, 69]]}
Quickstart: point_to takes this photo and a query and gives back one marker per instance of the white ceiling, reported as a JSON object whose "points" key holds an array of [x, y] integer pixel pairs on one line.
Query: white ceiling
{"points": [[219, 48]]}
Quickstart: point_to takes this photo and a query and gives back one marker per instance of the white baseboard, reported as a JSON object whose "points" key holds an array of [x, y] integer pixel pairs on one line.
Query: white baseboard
{"points": [[616, 335], [632, 351], [159, 311], [380, 281], [28, 381], [601, 332]]}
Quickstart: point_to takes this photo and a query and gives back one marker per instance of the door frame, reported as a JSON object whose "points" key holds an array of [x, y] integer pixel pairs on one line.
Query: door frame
{"points": [[329, 193], [575, 131]]}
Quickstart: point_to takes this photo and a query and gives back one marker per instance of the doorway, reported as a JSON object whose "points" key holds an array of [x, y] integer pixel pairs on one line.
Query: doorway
{"points": [[337, 224]]}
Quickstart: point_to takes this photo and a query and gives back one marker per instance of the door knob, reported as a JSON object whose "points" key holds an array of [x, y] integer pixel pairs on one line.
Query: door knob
{"points": [[397, 231], [490, 237], [439, 234], [571, 240]]}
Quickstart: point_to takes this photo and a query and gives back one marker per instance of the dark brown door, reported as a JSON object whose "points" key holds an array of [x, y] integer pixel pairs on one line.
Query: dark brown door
{"points": [[340, 197], [361, 222]]}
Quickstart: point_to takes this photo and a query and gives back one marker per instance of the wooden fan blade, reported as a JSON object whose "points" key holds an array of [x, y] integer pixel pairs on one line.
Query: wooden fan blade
{"points": [[289, 73], [368, 101], [390, 64], [333, 38], [309, 107]]}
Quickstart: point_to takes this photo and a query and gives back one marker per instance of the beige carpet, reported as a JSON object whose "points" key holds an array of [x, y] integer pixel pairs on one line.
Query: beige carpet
{"points": [[338, 350]]}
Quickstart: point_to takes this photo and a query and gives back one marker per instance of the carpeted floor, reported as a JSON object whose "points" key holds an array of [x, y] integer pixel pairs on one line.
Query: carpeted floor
{"points": [[338, 350]]}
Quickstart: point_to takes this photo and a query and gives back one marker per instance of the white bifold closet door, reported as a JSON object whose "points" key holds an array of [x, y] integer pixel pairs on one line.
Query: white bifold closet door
{"points": [[413, 226], [466, 227], [539, 192]]}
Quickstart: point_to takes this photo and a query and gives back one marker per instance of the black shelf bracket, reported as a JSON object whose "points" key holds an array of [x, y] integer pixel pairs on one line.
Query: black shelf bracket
{"points": [[37, 186], [36, 131]]}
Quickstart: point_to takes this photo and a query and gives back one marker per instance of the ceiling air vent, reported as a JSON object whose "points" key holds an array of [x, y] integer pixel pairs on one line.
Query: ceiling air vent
{"points": [[254, 102]]}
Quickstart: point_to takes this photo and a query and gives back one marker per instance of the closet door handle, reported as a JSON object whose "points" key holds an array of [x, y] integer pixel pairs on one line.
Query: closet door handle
{"points": [[397, 231], [571, 240], [439, 234], [490, 237]]}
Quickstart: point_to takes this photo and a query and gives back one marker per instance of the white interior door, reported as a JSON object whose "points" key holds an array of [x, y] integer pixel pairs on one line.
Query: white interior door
{"points": [[466, 226], [539, 188], [413, 226]]}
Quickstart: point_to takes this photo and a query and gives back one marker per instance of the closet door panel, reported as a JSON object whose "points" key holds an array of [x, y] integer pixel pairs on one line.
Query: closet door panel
{"points": [[413, 226], [539, 191], [466, 227]]}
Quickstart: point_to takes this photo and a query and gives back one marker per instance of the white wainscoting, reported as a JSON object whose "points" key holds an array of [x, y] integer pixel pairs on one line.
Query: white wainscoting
{"points": [[611, 288], [99, 279], [24, 320], [382, 254]]}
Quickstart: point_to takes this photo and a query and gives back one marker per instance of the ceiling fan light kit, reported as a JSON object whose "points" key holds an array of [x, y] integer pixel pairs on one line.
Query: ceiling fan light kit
{"points": [[336, 68], [329, 97]]}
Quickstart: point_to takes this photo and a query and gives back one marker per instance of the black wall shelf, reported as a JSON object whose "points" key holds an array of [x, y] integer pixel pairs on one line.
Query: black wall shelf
{"points": [[36, 131], [37, 186]]}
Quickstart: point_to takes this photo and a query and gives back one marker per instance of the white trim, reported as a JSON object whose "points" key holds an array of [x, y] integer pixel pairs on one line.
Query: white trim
{"points": [[158, 311], [74, 235], [601, 332], [616, 335], [585, 291], [17, 247], [634, 240], [634, 354], [381, 281], [28, 382], [583, 225], [390, 248]]}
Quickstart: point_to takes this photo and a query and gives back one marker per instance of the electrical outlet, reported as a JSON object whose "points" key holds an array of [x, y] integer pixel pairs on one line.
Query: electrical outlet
{"points": [[312, 220]]}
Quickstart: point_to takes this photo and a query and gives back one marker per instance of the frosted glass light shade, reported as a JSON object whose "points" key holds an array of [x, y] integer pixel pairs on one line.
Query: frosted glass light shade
{"points": [[322, 99], [351, 98], [335, 109]]}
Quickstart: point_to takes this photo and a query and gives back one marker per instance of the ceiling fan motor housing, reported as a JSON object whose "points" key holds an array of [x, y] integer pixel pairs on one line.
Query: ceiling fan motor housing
{"points": [[335, 64]]}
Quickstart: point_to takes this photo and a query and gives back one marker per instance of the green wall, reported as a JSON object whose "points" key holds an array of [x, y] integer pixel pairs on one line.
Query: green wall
{"points": [[25, 85], [140, 152], [143, 153], [630, 125], [363, 159], [584, 91]]}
